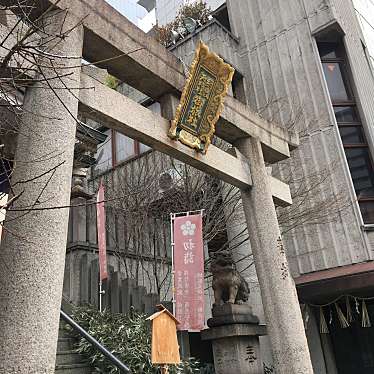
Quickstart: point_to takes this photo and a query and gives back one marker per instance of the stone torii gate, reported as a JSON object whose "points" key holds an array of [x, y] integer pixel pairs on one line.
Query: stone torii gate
{"points": [[32, 264]]}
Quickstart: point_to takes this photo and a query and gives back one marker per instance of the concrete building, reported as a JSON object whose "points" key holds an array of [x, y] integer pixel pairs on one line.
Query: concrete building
{"points": [[308, 66]]}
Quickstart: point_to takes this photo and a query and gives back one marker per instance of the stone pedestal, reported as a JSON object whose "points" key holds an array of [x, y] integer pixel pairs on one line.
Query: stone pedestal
{"points": [[234, 332]]}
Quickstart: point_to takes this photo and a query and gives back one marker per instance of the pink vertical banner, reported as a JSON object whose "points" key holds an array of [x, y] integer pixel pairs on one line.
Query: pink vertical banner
{"points": [[100, 213], [189, 272]]}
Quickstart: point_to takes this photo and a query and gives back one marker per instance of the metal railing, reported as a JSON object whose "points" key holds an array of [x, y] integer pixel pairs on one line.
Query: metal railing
{"points": [[81, 331]]}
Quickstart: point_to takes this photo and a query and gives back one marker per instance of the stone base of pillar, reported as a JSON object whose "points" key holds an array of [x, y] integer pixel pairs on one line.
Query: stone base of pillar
{"points": [[234, 332]]}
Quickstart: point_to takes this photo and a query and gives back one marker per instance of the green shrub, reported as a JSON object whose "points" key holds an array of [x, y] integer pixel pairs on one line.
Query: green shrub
{"points": [[128, 337], [111, 82]]}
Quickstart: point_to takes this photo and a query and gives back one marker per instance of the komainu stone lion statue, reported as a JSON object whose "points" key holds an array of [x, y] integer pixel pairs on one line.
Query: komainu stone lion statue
{"points": [[228, 285]]}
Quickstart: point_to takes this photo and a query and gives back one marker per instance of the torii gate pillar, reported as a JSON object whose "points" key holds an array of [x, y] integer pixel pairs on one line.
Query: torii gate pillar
{"points": [[32, 253], [282, 311]]}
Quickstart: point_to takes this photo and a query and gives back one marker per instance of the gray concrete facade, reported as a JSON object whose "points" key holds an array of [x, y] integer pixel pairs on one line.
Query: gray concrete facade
{"points": [[284, 75]]}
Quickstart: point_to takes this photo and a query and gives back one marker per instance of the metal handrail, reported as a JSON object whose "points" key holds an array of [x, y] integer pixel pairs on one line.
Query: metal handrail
{"points": [[94, 342]]}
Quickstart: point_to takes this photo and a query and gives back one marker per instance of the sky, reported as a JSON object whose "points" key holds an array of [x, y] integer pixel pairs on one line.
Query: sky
{"points": [[135, 13]]}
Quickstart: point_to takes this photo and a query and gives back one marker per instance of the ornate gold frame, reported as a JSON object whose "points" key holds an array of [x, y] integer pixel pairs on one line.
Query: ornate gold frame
{"points": [[223, 74]]}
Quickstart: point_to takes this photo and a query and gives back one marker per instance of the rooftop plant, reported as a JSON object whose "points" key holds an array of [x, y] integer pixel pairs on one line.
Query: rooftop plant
{"points": [[197, 10]]}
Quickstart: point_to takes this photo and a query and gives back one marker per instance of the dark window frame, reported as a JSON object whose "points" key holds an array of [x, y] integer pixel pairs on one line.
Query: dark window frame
{"points": [[355, 145], [346, 77]]}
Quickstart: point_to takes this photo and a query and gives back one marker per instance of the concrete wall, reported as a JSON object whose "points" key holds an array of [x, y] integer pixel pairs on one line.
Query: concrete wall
{"points": [[217, 38], [285, 82]]}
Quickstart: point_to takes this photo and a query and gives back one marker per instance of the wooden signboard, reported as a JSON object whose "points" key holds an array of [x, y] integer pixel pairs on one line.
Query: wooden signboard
{"points": [[165, 348], [202, 99]]}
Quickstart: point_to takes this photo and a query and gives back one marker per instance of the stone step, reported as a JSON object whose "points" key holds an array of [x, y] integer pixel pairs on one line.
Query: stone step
{"points": [[82, 368], [65, 344], [68, 357]]}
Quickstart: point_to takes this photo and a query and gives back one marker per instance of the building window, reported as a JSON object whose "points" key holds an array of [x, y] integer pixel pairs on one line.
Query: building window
{"points": [[116, 149], [334, 78], [104, 153], [124, 148], [360, 162], [119, 148], [238, 90]]}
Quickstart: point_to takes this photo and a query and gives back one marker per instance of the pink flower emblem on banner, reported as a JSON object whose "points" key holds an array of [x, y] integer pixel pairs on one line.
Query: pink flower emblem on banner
{"points": [[188, 228]]}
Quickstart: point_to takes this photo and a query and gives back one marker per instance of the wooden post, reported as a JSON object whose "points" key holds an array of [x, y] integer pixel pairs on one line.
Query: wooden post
{"points": [[164, 369]]}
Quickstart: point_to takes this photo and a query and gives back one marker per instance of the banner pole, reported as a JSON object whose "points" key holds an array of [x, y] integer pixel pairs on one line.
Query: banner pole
{"points": [[101, 241], [100, 295], [172, 216]]}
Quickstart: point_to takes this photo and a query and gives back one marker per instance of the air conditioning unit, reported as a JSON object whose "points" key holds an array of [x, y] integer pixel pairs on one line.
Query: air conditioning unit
{"points": [[171, 178]]}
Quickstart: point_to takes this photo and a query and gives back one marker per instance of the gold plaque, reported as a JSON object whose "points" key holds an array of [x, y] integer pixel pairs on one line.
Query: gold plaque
{"points": [[202, 100]]}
